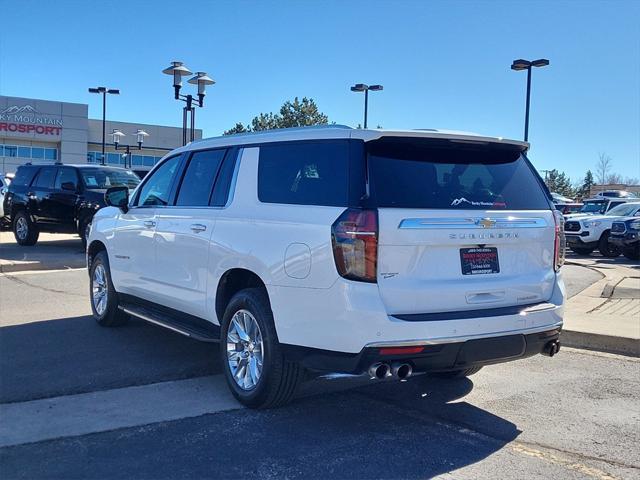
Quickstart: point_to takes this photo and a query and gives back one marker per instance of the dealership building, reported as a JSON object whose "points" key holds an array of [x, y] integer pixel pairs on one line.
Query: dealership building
{"points": [[44, 131]]}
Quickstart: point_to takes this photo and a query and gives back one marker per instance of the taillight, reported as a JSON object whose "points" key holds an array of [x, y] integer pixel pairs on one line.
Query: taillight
{"points": [[354, 236], [560, 241]]}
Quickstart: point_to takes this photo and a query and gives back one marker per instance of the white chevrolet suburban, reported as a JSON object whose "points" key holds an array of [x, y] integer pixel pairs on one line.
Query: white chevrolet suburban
{"points": [[331, 249]]}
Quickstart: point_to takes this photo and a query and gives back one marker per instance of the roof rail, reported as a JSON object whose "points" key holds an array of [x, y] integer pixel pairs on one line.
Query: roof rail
{"points": [[288, 129]]}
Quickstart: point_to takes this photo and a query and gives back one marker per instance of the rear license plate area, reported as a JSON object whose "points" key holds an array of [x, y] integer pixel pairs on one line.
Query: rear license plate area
{"points": [[479, 260]]}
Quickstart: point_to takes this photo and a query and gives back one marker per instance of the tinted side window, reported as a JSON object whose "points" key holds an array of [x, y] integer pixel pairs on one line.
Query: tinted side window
{"points": [[45, 178], [23, 177], [223, 182], [199, 177], [157, 189], [66, 175], [305, 173]]}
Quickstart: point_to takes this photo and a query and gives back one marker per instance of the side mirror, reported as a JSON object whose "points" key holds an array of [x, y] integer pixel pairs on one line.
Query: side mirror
{"points": [[70, 186], [117, 197]]}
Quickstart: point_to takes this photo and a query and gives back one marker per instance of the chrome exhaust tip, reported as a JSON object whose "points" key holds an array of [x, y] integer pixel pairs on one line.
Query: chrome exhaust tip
{"points": [[379, 371], [551, 348], [401, 370]]}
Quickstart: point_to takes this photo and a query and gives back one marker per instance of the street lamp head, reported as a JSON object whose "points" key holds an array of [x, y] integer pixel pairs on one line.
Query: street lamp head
{"points": [[113, 91], [178, 70], [117, 136], [376, 88], [202, 80], [541, 62], [359, 87], [520, 64], [140, 134]]}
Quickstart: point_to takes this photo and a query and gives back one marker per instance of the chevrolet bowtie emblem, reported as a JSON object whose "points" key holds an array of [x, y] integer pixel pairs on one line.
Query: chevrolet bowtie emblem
{"points": [[486, 223]]}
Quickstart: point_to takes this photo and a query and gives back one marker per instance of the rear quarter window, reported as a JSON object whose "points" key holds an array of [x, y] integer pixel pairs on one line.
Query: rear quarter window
{"points": [[427, 174], [304, 173]]}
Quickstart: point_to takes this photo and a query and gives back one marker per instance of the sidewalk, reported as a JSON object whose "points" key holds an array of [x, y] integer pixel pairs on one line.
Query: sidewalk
{"points": [[606, 315]]}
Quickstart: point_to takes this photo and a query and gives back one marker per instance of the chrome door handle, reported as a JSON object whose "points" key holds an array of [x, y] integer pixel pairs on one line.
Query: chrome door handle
{"points": [[198, 227], [149, 223]]}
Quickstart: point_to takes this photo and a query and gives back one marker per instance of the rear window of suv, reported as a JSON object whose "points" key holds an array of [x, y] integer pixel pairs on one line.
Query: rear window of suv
{"points": [[436, 174], [304, 173]]}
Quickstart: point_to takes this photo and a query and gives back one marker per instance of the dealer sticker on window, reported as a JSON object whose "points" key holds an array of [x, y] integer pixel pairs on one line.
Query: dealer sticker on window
{"points": [[479, 260]]}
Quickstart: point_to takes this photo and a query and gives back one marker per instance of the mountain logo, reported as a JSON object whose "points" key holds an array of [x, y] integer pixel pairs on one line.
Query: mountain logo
{"points": [[14, 109]]}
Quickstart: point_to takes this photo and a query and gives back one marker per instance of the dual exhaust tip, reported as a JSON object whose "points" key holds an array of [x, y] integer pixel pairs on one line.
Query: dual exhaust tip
{"points": [[384, 370]]}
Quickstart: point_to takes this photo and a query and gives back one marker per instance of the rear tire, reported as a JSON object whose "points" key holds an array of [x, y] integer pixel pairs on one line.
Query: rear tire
{"points": [[606, 249], [458, 373], [274, 382], [632, 253], [582, 250], [25, 231], [104, 298]]}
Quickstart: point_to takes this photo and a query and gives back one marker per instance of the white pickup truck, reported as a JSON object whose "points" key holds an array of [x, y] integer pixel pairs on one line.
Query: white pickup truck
{"points": [[585, 233]]}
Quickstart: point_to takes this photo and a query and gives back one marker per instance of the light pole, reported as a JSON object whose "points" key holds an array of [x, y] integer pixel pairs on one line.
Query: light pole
{"points": [[522, 64], [361, 87], [104, 91], [178, 70], [117, 136]]}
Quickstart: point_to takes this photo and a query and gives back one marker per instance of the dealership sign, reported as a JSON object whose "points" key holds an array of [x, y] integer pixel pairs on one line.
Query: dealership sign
{"points": [[26, 119]]}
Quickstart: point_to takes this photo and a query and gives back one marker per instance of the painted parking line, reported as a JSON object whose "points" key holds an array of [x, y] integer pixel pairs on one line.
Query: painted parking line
{"points": [[86, 413]]}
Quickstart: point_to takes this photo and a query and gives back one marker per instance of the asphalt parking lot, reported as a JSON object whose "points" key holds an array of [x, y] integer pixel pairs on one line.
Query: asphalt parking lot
{"points": [[80, 401]]}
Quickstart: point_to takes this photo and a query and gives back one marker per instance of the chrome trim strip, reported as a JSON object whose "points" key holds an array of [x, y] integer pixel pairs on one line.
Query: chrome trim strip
{"points": [[441, 340], [483, 223]]}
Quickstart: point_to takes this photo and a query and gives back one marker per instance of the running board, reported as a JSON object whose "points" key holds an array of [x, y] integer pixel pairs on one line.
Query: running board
{"points": [[199, 329]]}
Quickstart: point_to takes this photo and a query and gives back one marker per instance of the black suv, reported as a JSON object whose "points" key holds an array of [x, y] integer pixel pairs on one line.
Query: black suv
{"points": [[59, 198], [625, 234]]}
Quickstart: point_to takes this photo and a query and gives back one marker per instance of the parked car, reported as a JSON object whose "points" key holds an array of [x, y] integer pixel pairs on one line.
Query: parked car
{"points": [[625, 235], [616, 194], [4, 186], [337, 250], [585, 234], [59, 198], [598, 206], [568, 208]]}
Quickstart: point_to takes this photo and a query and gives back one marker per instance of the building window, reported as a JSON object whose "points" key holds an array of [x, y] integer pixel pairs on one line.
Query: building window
{"points": [[24, 152], [51, 153], [148, 161], [37, 152], [10, 151], [113, 158]]}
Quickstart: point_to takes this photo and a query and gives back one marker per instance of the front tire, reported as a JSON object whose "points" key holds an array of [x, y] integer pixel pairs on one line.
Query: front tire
{"points": [[458, 373], [255, 369], [104, 298], [25, 231], [606, 249]]}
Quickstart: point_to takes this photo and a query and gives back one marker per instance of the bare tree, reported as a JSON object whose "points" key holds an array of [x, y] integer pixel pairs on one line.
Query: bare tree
{"points": [[632, 181], [614, 178], [603, 167]]}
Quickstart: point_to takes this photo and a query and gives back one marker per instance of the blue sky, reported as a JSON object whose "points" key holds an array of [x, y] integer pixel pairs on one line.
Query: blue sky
{"points": [[442, 64]]}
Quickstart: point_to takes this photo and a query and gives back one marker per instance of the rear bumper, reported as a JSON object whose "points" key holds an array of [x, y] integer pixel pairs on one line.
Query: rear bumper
{"points": [[433, 358]]}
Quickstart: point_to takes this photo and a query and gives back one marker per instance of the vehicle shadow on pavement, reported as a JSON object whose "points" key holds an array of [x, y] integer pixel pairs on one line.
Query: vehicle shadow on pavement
{"points": [[413, 429], [75, 355]]}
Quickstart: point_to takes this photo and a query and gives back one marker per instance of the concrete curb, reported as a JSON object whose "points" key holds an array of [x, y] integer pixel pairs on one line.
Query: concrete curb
{"points": [[580, 307], [601, 343]]}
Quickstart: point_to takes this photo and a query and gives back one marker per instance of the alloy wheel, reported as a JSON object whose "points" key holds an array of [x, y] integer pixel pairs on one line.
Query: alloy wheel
{"points": [[99, 289], [245, 349], [22, 228]]}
